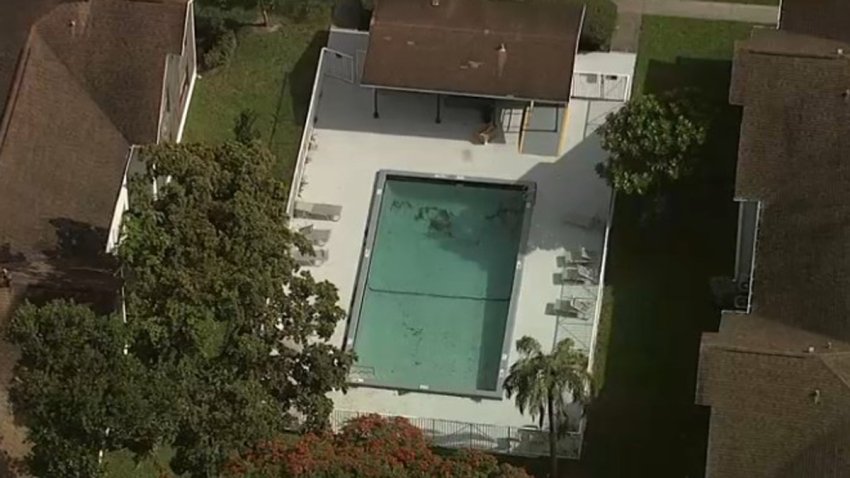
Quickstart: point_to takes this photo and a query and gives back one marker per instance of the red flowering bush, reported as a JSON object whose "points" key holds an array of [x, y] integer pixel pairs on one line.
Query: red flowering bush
{"points": [[368, 447]]}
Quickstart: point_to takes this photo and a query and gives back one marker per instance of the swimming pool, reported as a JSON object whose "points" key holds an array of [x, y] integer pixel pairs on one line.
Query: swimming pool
{"points": [[433, 306]]}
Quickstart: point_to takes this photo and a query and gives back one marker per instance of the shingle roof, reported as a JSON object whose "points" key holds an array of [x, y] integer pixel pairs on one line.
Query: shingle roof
{"points": [[779, 410], [456, 47], [88, 87], [776, 414], [822, 18], [16, 19], [792, 154]]}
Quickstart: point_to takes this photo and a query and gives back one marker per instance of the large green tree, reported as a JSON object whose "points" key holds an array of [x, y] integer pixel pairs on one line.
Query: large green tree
{"points": [[545, 384], [77, 390], [225, 338], [212, 284], [651, 141]]}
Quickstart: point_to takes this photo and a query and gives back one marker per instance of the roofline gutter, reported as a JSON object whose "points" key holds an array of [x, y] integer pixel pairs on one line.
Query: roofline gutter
{"points": [[460, 93], [578, 37], [184, 115]]}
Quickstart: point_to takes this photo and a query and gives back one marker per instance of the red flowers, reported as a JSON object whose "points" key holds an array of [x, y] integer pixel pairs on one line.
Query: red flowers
{"points": [[368, 446]]}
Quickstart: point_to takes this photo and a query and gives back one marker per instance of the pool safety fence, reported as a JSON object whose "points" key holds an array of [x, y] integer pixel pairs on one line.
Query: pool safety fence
{"points": [[508, 440]]}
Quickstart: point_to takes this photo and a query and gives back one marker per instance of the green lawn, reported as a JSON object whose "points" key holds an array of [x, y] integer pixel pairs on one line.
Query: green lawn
{"points": [[272, 74], [120, 464], [663, 253], [668, 46]]}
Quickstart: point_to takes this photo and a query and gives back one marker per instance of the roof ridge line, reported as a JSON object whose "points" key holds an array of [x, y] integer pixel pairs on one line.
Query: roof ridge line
{"points": [[835, 372], [83, 85], [810, 56], [15, 88], [773, 353], [464, 29]]}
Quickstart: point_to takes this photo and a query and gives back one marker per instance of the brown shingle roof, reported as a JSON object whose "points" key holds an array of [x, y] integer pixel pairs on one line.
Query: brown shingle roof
{"points": [[776, 414], [779, 410], [88, 87], [821, 18], [792, 154], [16, 18], [455, 47]]}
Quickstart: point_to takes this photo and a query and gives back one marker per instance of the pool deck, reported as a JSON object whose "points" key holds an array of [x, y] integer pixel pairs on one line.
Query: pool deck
{"points": [[571, 210]]}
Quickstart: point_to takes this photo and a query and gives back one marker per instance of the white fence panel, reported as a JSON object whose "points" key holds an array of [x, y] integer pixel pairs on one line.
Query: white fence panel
{"points": [[339, 65]]}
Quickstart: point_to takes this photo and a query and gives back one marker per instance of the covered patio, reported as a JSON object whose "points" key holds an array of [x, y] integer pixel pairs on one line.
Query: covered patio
{"points": [[514, 70]]}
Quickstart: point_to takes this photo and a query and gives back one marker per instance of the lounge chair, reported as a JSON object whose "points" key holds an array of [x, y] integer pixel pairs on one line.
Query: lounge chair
{"points": [[318, 257], [317, 237], [578, 256], [576, 274], [327, 212], [578, 308]]}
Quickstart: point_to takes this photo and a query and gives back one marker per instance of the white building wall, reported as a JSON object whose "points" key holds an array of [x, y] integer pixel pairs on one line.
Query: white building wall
{"points": [[178, 86]]}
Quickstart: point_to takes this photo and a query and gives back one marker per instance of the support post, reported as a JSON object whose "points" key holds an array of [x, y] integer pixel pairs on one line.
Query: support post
{"points": [[375, 103], [439, 104]]}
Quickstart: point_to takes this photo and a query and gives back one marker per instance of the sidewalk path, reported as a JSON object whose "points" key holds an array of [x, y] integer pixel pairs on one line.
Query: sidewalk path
{"points": [[740, 12], [630, 12]]}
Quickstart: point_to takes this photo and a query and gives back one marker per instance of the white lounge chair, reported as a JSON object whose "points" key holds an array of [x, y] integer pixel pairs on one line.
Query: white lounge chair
{"points": [[317, 237], [575, 307], [578, 256], [318, 257], [328, 212], [576, 274]]}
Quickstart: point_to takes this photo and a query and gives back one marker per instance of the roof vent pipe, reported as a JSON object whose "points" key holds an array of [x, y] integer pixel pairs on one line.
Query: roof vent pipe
{"points": [[435, 3], [502, 59]]}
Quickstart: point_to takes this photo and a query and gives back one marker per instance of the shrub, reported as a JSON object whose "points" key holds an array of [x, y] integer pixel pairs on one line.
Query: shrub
{"points": [[245, 129], [366, 446], [221, 51], [651, 142], [600, 19]]}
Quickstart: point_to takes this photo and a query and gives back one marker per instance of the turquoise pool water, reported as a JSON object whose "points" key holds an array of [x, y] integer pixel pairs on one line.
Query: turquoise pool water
{"points": [[438, 288]]}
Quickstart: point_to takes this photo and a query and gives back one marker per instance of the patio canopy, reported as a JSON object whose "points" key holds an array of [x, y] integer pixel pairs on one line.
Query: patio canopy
{"points": [[488, 48]]}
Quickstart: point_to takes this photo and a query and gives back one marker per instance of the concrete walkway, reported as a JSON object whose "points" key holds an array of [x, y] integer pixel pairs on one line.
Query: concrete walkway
{"points": [[740, 12], [626, 35]]}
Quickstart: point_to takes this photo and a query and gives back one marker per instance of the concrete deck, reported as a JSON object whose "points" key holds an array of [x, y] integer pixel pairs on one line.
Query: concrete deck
{"points": [[572, 208]]}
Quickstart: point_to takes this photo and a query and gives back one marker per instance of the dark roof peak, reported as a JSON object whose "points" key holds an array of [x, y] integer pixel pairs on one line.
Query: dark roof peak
{"points": [[474, 47]]}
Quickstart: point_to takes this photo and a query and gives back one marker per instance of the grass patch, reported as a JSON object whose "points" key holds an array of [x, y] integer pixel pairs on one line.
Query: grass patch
{"points": [[664, 250], [668, 46], [120, 464], [271, 73]]}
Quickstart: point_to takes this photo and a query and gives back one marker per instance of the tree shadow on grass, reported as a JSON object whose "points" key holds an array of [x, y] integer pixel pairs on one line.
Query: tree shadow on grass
{"points": [[659, 269], [302, 75], [298, 82]]}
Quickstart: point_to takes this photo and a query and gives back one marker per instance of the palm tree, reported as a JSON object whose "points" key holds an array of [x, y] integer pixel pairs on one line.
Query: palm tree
{"points": [[544, 383]]}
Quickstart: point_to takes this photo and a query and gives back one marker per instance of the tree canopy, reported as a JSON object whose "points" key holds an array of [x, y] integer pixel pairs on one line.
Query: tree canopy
{"points": [[366, 446], [224, 335], [77, 390], [651, 141], [545, 384]]}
